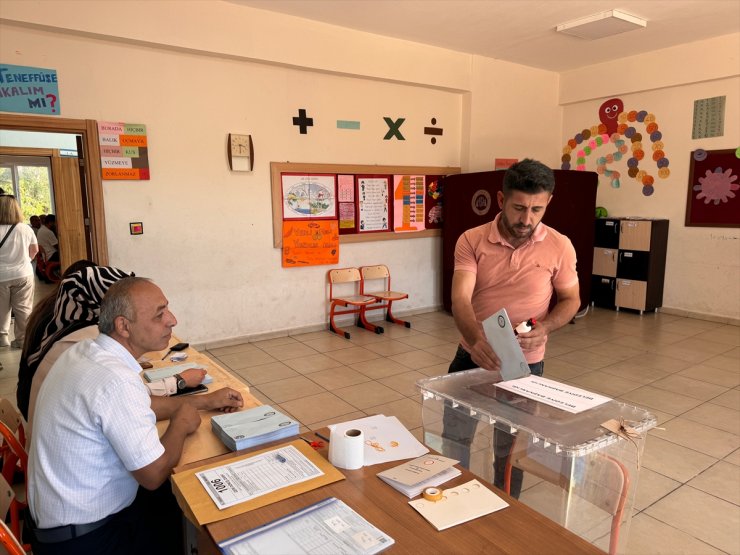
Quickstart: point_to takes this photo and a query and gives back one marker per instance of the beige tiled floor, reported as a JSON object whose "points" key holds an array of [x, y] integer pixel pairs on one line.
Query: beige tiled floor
{"points": [[685, 371]]}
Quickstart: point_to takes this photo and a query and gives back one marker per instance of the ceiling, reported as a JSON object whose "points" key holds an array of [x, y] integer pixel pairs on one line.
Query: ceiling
{"points": [[522, 31]]}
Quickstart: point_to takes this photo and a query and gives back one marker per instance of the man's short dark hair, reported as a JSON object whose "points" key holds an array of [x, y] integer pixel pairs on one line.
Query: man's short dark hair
{"points": [[118, 301], [50, 218], [529, 176]]}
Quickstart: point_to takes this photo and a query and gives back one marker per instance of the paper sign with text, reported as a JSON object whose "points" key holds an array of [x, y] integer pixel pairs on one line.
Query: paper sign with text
{"points": [[30, 90], [310, 243], [124, 154]]}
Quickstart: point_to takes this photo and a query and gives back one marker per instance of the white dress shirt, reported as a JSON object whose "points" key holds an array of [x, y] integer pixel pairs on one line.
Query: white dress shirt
{"points": [[93, 425]]}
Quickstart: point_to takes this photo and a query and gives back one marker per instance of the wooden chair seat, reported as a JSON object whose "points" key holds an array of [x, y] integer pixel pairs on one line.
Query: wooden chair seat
{"points": [[384, 298], [352, 277]]}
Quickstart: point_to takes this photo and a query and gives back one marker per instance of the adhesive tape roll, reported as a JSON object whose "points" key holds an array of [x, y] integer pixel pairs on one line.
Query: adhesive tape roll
{"points": [[433, 494]]}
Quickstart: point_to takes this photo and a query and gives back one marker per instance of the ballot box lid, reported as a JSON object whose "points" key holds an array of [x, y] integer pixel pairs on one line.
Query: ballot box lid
{"points": [[473, 393]]}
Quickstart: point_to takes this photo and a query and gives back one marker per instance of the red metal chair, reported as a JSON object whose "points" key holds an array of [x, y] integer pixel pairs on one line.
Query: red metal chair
{"points": [[610, 476], [48, 271], [357, 302], [383, 298], [15, 457], [7, 539]]}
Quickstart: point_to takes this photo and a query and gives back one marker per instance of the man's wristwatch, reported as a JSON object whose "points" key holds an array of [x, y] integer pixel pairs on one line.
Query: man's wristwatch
{"points": [[181, 383]]}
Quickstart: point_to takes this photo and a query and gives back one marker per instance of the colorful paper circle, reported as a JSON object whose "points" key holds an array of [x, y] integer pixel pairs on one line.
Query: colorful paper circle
{"points": [[700, 155], [648, 190], [664, 173]]}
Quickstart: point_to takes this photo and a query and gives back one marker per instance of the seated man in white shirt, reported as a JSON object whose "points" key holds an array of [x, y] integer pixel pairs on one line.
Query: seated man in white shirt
{"points": [[47, 238], [98, 470]]}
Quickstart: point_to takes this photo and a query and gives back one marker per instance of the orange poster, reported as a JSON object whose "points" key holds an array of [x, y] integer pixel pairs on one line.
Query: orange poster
{"points": [[310, 243]]}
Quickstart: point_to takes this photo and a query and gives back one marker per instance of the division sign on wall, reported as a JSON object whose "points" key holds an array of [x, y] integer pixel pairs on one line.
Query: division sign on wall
{"points": [[30, 90], [124, 153]]}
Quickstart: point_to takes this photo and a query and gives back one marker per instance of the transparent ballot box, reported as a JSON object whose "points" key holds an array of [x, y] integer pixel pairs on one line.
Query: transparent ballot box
{"points": [[574, 471]]}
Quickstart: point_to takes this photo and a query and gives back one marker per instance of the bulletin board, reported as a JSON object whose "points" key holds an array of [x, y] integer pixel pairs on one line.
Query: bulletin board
{"points": [[364, 200], [713, 194]]}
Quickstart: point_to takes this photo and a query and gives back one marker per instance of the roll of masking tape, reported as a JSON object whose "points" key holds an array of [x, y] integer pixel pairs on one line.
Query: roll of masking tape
{"points": [[433, 494]]}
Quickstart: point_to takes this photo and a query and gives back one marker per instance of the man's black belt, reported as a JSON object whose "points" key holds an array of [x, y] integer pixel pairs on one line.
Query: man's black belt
{"points": [[69, 532]]}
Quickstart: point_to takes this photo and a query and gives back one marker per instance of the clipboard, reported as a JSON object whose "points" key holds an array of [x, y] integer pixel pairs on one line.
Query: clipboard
{"points": [[200, 508]]}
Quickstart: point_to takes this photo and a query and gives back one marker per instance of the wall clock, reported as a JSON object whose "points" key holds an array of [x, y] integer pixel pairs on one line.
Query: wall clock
{"points": [[240, 152]]}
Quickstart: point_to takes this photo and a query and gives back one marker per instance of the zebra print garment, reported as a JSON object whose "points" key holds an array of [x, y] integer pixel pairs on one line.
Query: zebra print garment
{"points": [[77, 306]]}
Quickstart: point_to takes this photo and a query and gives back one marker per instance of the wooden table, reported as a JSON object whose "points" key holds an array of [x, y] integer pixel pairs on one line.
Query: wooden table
{"points": [[514, 530], [203, 443]]}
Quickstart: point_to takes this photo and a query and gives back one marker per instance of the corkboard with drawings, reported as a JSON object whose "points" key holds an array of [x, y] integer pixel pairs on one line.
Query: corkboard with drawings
{"points": [[368, 203]]}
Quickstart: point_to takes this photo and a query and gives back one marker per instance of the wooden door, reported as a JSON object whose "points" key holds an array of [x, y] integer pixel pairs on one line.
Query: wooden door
{"points": [[605, 262], [631, 294], [70, 214], [635, 235]]}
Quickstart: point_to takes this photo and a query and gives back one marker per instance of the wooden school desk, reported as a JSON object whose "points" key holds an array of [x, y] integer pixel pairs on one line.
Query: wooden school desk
{"points": [[516, 529], [203, 443]]}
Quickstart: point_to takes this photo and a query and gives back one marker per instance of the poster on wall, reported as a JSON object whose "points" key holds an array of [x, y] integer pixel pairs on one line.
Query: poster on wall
{"points": [[709, 117], [310, 243], [408, 203], [124, 154], [29, 90], [372, 196], [433, 210], [346, 201], [713, 199], [309, 197]]}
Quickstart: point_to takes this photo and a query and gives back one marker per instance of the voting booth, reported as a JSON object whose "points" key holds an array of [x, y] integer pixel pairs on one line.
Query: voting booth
{"points": [[576, 471]]}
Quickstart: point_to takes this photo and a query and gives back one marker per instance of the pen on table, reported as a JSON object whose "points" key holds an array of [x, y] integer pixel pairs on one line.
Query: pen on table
{"points": [[167, 353], [321, 437], [281, 458]]}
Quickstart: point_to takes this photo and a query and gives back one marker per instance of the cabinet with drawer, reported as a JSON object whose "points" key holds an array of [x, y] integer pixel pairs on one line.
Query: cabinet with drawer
{"points": [[629, 263]]}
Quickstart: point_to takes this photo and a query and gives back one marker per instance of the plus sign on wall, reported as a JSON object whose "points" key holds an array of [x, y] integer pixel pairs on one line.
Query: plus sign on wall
{"points": [[302, 121]]}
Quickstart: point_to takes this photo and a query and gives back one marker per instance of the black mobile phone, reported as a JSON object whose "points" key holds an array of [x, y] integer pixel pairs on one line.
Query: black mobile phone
{"points": [[180, 347], [200, 388]]}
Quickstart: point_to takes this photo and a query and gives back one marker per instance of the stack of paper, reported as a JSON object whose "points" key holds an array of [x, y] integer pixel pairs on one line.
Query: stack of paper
{"points": [[240, 430], [167, 371], [329, 526], [411, 478], [386, 439], [460, 504]]}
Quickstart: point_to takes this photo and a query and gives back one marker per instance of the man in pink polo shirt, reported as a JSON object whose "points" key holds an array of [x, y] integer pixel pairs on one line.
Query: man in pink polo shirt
{"points": [[513, 262]]}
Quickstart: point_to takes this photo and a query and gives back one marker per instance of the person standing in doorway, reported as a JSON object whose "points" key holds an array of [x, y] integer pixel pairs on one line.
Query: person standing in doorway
{"points": [[18, 246]]}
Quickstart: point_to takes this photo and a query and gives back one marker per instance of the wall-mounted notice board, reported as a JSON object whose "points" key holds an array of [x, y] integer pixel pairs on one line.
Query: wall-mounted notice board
{"points": [[370, 203]]}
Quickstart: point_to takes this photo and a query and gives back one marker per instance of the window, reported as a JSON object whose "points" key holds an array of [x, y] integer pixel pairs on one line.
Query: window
{"points": [[29, 179]]}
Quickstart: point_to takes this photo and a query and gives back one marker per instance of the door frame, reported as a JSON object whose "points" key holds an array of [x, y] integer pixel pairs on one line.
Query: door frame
{"points": [[88, 129]]}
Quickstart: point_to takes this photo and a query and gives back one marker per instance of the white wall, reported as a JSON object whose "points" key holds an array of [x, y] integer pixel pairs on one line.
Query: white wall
{"points": [[703, 264], [195, 71]]}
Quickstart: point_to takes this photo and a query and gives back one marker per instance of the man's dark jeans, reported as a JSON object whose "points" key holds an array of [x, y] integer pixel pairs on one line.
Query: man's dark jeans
{"points": [[458, 431]]}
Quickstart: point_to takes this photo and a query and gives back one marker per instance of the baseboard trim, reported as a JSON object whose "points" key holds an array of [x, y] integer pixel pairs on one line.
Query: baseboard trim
{"points": [[700, 315], [251, 338]]}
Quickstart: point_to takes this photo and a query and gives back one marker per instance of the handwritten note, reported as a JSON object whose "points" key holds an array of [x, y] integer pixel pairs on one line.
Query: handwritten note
{"points": [[310, 243]]}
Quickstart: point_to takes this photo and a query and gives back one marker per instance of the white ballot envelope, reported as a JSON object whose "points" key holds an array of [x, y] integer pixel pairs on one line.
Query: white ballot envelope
{"points": [[500, 335]]}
